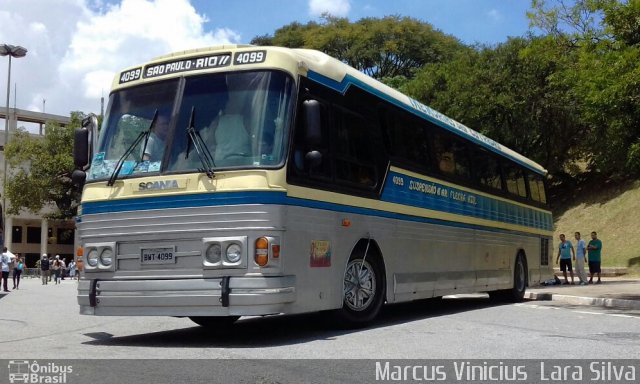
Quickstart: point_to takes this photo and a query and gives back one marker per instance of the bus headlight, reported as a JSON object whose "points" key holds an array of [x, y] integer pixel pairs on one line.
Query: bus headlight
{"points": [[234, 253], [214, 253], [92, 258], [106, 257]]}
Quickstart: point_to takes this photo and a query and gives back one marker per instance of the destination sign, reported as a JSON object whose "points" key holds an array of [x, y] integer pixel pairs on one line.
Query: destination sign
{"points": [[190, 64]]}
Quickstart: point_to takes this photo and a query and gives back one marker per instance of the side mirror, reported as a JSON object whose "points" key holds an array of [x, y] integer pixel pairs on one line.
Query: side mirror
{"points": [[85, 141], [312, 120], [81, 148]]}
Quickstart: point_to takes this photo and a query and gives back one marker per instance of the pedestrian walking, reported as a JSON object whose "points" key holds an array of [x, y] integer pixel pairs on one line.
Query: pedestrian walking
{"points": [[5, 260], [17, 271], [63, 266], [565, 251], [595, 256], [72, 269], [580, 258], [57, 266], [45, 267]]}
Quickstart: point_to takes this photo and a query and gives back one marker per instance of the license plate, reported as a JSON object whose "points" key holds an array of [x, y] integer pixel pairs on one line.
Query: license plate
{"points": [[158, 256]]}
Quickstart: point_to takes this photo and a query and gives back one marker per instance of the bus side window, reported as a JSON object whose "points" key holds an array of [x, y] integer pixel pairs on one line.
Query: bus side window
{"points": [[487, 169], [536, 186], [352, 151], [407, 140], [514, 178], [452, 156]]}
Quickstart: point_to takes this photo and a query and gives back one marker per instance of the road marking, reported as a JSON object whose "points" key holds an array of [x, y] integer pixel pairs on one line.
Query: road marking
{"points": [[627, 316], [589, 313]]}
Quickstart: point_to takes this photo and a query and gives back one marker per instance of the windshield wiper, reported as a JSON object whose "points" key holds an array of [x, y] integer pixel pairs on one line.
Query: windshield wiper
{"points": [[143, 135], [201, 147]]}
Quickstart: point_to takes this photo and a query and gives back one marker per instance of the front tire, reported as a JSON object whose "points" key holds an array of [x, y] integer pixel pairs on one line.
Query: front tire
{"points": [[363, 290]]}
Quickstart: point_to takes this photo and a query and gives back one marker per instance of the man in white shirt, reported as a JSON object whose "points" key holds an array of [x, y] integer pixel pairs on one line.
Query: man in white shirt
{"points": [[5, 260], [580, 258]]}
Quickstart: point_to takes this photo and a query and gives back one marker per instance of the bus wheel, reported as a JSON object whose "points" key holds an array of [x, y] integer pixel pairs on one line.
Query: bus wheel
{"points": [[516, 293], [519, 279], [214, 322], [363, 290]]}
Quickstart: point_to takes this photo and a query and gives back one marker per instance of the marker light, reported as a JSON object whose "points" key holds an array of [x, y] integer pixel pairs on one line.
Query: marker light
{"points": [[262, 251]]}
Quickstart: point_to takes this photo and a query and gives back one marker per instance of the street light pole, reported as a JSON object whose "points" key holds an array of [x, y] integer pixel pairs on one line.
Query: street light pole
{"points": [[17, 52]]}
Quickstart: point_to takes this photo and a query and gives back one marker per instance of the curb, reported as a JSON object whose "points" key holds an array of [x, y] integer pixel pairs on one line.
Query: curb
{"points": [[582, 300]]}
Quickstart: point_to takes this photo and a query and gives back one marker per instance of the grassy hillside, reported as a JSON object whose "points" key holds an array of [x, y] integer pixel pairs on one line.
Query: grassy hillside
{"points": [[614, 213]]}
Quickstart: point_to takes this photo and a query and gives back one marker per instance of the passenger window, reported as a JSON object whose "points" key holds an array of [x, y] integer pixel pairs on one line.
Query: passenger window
{"points": [[354, 158], [407, 140], [536, 186], [452, 156], [515, 180], [487, 169]]}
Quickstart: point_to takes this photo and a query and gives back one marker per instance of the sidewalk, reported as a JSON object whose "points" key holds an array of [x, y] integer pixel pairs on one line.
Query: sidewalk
{"points": [[614, 292]]}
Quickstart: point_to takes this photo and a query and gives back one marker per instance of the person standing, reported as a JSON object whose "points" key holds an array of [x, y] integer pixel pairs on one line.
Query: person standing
{"points": [[44, 267], [17, 271], [580, 258], [72, 269], [56, 270], [595, 256], [63, 267], [565, 251], [5, 259]]}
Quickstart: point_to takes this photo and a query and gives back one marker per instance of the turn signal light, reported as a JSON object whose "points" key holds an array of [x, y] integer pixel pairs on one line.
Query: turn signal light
{"points": [[275, 251], [79, 251], [262, 251]]}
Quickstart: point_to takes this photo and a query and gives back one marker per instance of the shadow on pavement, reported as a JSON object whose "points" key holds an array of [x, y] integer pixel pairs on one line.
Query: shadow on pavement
{"points": [[281, 330]]}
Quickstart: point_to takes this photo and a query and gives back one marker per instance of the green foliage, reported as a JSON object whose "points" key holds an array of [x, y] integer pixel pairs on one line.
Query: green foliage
{"points": [[386, 48], [511, 93], [40, 171]]}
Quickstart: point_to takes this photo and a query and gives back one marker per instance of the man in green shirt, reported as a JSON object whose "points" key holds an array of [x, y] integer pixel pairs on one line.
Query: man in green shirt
{"points": [[595, 248]]}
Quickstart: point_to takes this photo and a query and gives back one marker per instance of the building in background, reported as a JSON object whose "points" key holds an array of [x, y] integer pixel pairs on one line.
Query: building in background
{"points": [[29, 234]]}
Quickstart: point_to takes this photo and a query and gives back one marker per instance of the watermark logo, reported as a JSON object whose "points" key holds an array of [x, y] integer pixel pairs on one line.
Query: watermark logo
{"points": [[24, 371]]}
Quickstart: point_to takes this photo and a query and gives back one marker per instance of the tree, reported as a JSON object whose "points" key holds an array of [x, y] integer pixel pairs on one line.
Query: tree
{"points": [[392, 47], [605, 45], [40, 171], [510, 92]]}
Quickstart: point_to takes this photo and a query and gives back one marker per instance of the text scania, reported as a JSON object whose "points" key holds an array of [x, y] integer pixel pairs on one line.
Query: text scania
{"points": [[158, 185], [409, 372]]}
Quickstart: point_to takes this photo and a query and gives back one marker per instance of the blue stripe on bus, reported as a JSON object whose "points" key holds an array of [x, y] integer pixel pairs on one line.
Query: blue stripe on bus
{"points": [[411, 191], [239, 198], [349, 80]]}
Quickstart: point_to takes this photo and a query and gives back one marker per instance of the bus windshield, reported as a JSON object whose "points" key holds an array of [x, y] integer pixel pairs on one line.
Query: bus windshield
{"points": [[230, 120]]}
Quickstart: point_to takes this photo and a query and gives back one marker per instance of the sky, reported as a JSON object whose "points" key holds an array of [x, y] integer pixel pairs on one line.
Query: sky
{"points": [[75, 47]]}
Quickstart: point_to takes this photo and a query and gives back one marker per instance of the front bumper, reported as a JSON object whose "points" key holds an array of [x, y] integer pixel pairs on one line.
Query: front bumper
{"points": [[228, 296]]}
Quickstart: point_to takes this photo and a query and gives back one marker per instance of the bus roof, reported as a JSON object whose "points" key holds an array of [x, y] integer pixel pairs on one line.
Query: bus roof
{"points": [[339, 76]]}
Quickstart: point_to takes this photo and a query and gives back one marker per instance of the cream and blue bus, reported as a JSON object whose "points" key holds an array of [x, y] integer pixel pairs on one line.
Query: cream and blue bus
{"points": [[246, 181]]}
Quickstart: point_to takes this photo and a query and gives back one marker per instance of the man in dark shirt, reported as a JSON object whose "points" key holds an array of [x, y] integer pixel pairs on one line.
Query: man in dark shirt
{"points": [[44, 267]]}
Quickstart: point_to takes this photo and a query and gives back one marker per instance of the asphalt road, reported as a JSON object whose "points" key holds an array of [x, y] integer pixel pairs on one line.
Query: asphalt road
{"points": [[42, 322]]}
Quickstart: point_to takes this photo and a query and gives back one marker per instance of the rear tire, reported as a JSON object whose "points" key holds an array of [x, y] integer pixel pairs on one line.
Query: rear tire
{"points": [[214, 322], [364, 290], [516, 293]]}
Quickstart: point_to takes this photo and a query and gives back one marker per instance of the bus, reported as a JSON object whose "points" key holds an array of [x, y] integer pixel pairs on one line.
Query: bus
{"points": [[247, 181]]}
